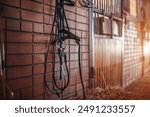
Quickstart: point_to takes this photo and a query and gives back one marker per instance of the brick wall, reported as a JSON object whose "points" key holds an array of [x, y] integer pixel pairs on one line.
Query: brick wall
{"points": [[133, 10], [132, 61], [27, 27]]}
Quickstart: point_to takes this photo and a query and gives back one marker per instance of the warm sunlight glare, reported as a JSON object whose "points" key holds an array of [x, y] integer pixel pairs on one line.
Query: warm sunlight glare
{"points": [[146, 46]]}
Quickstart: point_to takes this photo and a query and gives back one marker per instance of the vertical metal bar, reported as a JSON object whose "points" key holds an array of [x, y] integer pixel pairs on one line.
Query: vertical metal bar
{"points": [[106, 6], [122, 55], [111, 6], [102, 4], [32, 61], [111, 26], [100, 7], [91, 42], [97, 4], [114, 6], [5, 58], [119, 8]]}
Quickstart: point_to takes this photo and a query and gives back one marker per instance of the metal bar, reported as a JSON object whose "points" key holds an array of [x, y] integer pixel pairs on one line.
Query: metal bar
{"points": [[91, 41], [102, 4], [5, 58], [107, 7]]}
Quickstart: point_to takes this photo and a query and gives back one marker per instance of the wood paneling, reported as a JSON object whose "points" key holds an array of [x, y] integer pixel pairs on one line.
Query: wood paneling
{"points": [[107, 61]]}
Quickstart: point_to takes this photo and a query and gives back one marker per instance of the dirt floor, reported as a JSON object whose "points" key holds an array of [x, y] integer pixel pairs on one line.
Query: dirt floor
{"points": [[138, 90], [141, 87]]}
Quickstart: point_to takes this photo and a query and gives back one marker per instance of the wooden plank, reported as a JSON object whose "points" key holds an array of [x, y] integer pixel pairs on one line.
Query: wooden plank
{"points": [[107, 61]]}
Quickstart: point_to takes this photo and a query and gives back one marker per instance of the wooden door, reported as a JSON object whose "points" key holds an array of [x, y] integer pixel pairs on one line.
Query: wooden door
{"points": [[107, 62], [106, 48]]}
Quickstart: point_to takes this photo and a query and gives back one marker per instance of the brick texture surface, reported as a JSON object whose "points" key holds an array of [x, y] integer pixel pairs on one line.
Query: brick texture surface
{"points": [[132, 62], [27, 26]]}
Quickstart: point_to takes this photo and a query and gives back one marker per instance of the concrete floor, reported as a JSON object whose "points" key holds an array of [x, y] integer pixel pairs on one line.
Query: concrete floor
{"points": [[141, 87]]}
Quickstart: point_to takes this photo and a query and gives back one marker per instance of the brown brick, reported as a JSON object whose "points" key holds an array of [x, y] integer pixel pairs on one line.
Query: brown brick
{"points": [[38, 90], [20, 83], [84, 48], [38, 80], [74, 56], [74, 48], [50, 2], [11, 2], [50, 97], [19, 72], [19, 37], [19, 48], [79, 33], [47, 29], [85, 56], [38, 69], [81, 11], [38, 28], [26, 26], [73, 81], [40, 58], [32, 16], [70, 9], [49, 77], [84, 35], [50, 58], [19, 60], [11, 12], [26, 93], [47, 19], [70, 15], [41, 38], [47, 9], [82, 26], [71, 24], [28, 4], [49, 68], [84, 42], [40, 48], [13, 24], [74, 72], [69, 90]]}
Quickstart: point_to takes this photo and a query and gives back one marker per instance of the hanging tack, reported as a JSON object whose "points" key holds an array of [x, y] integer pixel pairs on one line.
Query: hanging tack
{"points": [[62, 33], [69, 3]]}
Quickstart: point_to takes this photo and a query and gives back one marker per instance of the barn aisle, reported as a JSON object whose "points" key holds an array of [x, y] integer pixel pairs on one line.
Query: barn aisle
{"points": [[141, 87]]}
